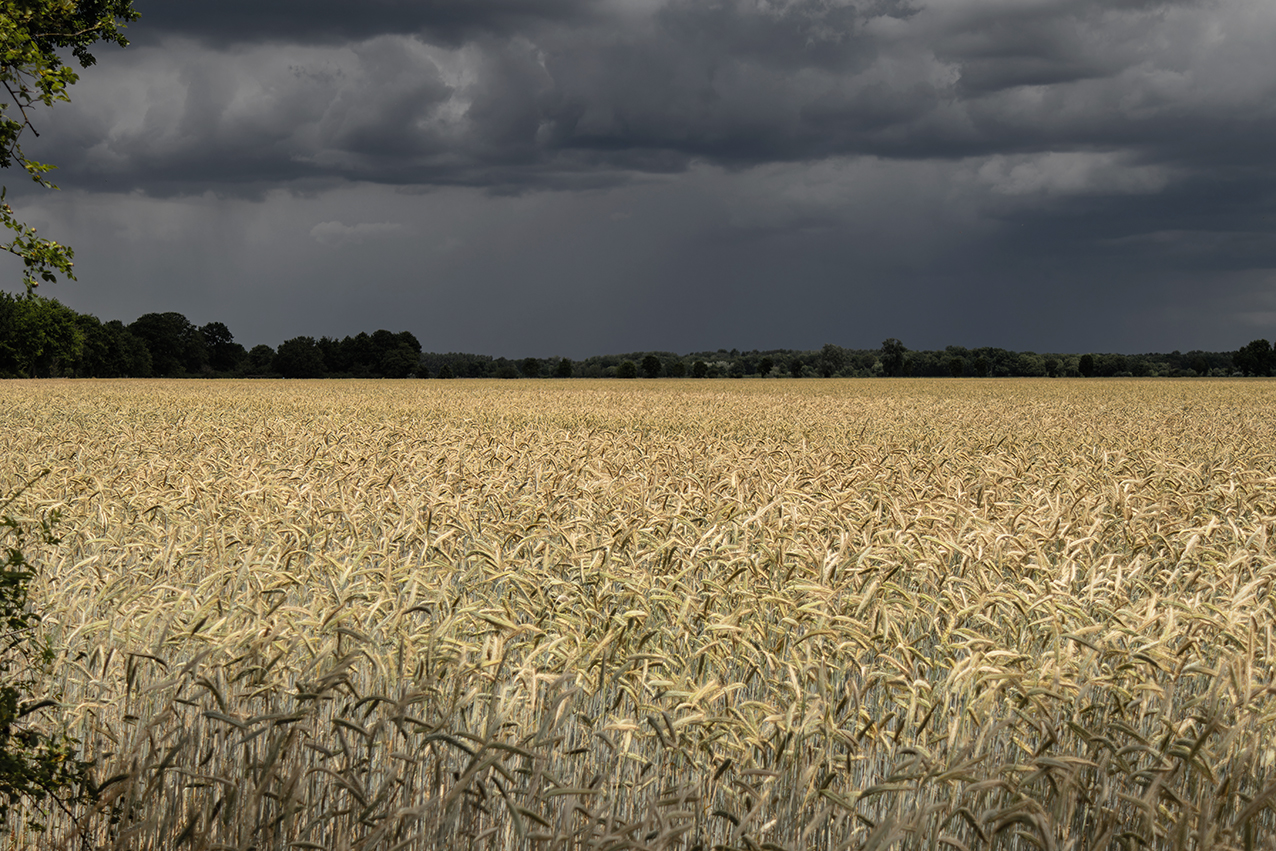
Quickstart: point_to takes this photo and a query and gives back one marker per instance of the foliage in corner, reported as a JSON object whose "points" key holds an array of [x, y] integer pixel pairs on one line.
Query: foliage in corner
{"points": [[37, 764], [34, 35]]}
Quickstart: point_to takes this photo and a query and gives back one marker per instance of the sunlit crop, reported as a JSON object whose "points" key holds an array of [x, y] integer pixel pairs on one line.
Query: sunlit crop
{"points": [[652, 614]]}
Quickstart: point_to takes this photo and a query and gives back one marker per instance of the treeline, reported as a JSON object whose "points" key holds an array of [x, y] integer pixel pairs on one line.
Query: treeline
{"points": [[893, 360], [40, 337]]}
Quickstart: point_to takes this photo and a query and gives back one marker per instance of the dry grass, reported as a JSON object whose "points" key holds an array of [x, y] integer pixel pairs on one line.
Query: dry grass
{"points": [[667, 615]]}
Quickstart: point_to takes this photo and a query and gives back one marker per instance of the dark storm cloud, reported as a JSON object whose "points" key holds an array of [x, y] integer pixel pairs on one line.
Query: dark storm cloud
{"points": [[331, 21], [515, 94], [1046, 174]]}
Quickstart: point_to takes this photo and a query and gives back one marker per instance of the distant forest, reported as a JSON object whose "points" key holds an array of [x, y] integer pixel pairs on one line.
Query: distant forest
{"points": [[41, 338]]}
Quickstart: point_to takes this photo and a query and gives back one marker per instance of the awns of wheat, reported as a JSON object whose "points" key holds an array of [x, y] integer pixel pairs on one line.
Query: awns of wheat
{"points": [[660, 615]]}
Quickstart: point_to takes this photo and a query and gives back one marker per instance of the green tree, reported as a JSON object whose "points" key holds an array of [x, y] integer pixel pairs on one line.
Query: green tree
{"points": [[651, 366], [129, 357], [1254, 358], [765, 366], [831, 360], [35, 38], [395, 355], [358, 356], [400, 362], [94, 347], [530, 367], [627, 369], [39, 337], [892, 355], [1086, 365], [261, 360], [564, 369], [957, 367], [224, 354], [299, 357], [1114, 364], [699, 369], [177, 347]]}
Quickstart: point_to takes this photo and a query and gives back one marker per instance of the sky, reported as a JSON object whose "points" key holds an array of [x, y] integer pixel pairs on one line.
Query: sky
{"points": [[578, 177]]}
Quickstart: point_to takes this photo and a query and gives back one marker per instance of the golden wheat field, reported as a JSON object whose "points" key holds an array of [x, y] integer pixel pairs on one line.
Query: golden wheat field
{"points": [[659, 614]]}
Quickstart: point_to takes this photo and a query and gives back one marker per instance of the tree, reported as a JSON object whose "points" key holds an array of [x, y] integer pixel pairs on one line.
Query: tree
{"points": [[699, 369], [564, 369], [892, 355], [108, 350], [651, 366], [765, 366], [627, 369], [39, 337], [224, 354], [299, 357], [129, 357], [831, 360], [35, 36], [1255, 358], [400, 362], [177, 347], [1085, 366], [94, 346], [358, 355], [530, 367], [395, 355], [261, 360], [335, 358]]}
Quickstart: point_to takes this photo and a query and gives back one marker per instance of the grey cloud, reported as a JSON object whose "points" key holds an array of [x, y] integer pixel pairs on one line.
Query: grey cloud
{"points": [[548, 94], [1062, 133], [575, 176], [339, 21], [338, 233]]}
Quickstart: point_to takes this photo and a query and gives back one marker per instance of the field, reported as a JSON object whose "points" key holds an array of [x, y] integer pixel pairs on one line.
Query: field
{"points": [[655, 614]]}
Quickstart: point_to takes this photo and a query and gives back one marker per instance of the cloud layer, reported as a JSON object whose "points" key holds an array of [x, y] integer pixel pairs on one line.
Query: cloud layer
{"points": [[938, 145], [515, 95]]}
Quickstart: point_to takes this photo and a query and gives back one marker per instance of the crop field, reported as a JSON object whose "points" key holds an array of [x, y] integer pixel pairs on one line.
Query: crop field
{"points": [[658, 614]]}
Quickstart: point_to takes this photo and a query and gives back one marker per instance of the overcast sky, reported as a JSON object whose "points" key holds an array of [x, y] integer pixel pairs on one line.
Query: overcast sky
{"points": [[575, 177]]}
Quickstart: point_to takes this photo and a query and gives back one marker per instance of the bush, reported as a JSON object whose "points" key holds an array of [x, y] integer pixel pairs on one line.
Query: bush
{"points": [[38, 765]]}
